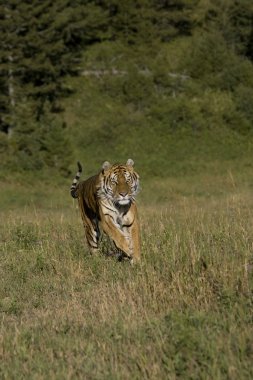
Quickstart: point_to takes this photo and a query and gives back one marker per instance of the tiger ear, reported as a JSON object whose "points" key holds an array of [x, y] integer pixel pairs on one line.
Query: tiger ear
{"points": [[106, 165], [130, 162]]}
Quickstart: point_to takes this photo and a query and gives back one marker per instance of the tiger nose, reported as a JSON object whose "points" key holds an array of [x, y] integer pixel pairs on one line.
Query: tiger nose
{"points": [[123, 194]]}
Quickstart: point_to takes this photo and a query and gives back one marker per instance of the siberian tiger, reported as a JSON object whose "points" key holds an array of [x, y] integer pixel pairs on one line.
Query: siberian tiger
{"points": [[107, 202]]}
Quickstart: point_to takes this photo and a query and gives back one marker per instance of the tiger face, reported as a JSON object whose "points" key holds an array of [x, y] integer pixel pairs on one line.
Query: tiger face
{"points": [[119, 183]]}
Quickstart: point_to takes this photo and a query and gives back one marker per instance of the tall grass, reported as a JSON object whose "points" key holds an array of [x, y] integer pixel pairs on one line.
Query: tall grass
{"points": [[184, 312]]}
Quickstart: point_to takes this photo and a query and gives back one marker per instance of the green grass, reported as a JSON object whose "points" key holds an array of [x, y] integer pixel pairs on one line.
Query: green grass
{"points": [[183, 137], [184, 312]]}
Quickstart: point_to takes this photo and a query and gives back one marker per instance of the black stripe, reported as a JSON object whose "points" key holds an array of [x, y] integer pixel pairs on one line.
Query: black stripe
{"points": [[108, 208], [127, 225], [110, 216]]}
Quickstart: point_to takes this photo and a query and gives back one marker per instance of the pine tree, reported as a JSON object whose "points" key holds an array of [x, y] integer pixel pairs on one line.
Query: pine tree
{"points": [[174, 18], [8, 55], [41, 43], [232, 18], [144, 21]]}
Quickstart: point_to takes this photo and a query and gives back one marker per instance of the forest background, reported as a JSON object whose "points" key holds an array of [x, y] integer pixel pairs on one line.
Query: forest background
{"points": [[168, 83]]}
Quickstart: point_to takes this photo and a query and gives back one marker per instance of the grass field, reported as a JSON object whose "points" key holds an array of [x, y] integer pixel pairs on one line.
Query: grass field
{"points": [[184, 313]]}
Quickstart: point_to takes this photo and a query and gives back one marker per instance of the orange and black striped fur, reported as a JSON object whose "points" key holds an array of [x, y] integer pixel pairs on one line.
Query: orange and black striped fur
{"points": [[107, 203]]}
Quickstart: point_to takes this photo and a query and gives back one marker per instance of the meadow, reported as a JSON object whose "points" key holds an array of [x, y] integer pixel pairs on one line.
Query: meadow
{"points": [[170, 85], [185, 312]]}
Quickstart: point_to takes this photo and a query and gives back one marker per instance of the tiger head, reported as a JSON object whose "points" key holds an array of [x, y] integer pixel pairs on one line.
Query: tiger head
{"points": [[119, 183]]}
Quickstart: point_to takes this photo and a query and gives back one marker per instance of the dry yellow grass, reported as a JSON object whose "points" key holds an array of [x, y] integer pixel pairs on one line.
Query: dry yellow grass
{"points": [[184, 312]]}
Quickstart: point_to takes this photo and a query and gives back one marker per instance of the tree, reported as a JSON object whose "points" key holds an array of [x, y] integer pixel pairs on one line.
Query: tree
{"points": [[146, 21], [232, 18], [39, 144], [174, 18], [41, 43]]}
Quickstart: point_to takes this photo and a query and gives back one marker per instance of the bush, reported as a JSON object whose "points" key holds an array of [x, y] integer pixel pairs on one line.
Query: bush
{"points": [[39, 144], [214, 64]]}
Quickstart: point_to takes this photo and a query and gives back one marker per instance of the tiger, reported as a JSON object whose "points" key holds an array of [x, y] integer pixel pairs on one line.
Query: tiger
{"points": [[107, 204]]}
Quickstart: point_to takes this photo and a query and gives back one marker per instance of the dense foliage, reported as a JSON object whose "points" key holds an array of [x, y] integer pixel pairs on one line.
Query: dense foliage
{"points": [[166, 66]]}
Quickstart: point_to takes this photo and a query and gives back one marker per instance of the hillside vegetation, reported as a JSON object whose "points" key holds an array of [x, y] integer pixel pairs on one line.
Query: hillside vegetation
{"points": [[166, 83]]}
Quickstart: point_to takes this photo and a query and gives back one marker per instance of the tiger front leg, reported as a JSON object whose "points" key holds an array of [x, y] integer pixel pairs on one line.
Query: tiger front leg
{"points": [[131, 228], [121, 240], [134, 234]]}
